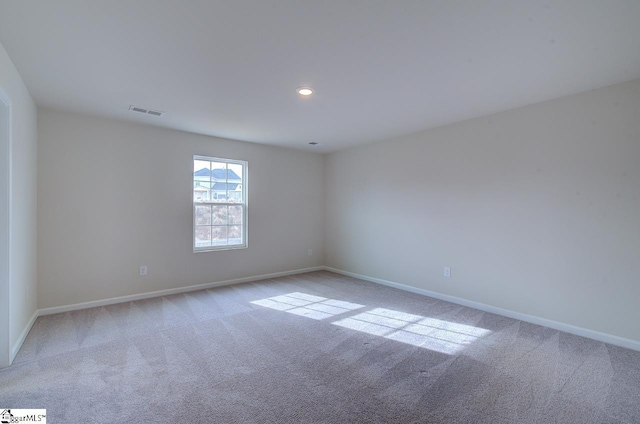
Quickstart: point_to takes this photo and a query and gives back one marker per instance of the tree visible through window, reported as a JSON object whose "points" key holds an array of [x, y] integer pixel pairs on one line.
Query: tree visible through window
{"points": [[219, 203]]}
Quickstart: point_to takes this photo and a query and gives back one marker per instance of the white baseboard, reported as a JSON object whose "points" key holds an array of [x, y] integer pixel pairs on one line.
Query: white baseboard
{"points": [[16, 347], [147, 295], [556, 325]]}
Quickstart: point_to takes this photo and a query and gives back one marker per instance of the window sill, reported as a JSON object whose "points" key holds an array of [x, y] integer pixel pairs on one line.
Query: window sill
{"points": [[217, 249]]}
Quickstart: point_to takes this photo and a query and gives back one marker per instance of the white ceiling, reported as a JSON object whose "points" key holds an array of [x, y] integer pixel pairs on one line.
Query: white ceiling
{"points": [[380, 68]]}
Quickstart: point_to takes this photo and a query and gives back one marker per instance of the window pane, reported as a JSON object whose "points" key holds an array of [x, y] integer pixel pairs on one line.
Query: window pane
{"points": [[235, 183], [219, 182], [218, 171], [203, 236], [235, 234], [234, 193], [201, 170], [203, 215], [235, 214], [235, 173], [201, 165], [219, 192], [219, 215], [219, 236], [200, 196]]}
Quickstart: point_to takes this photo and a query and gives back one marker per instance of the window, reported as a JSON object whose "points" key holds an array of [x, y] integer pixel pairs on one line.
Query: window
{"points": [[219, 204]]}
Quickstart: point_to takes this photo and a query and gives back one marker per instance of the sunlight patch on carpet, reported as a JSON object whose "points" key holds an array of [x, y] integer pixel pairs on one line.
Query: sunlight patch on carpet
{"points": [[417, 330], [429, 333], [307, 305]]}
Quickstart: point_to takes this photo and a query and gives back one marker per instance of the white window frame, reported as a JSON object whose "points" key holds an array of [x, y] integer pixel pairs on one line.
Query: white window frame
{"points": [[244, 204]]}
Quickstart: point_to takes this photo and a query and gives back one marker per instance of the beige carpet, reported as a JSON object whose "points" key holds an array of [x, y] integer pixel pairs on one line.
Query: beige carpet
{"points": [[315, 348]]}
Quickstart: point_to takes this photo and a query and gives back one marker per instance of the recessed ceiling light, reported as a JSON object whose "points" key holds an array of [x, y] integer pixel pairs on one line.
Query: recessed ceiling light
{"points": [[305, 91]]}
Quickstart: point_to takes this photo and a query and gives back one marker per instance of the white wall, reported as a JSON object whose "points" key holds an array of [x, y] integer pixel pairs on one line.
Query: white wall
{"points": [[5, 223], [536, 210], [22, 292], [113, 196]]}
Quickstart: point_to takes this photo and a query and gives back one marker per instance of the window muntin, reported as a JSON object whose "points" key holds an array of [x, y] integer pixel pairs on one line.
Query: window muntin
{"points": [[219, 203]]}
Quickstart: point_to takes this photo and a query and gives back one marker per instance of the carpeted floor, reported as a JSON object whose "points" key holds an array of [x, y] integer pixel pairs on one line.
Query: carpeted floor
{"points": [[315, 348]]}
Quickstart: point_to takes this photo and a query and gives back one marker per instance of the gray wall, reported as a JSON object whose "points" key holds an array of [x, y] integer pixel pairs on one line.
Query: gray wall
{"points": [[536, 210], [23, 272], [113, 196]]}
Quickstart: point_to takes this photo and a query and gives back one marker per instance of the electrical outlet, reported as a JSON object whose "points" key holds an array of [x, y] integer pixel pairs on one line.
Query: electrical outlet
{"points": [[143, 270], [447, 271], [309, 252]]}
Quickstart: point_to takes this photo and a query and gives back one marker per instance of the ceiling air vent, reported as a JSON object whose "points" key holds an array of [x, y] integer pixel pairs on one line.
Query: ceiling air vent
{"points": [[145, 111]]}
